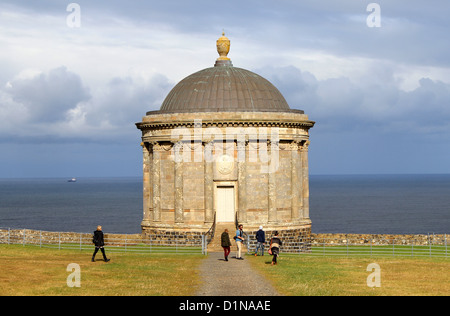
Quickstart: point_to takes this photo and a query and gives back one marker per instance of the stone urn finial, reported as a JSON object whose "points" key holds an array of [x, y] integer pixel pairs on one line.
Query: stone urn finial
{"points": [[223, 47]]}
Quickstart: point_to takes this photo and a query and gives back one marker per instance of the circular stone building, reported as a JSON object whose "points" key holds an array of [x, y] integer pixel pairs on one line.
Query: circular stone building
{"points": [[225, 148]]}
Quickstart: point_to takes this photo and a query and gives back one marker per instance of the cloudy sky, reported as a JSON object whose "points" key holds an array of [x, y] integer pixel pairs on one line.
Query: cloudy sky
{"points": [[75, 79]]}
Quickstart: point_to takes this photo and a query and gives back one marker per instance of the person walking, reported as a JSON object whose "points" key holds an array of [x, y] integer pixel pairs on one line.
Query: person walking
{"points": [[239, 241], [226, 244], [275, 244], [99, 243], [260, 241]]}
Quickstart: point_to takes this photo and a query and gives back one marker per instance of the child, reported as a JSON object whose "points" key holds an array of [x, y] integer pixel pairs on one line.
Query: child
{"points": [[275, 244]]}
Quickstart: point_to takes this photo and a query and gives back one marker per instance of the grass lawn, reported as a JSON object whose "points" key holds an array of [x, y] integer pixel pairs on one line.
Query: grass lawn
{"points": [[40, 271], [33, 271], [319, 276]]}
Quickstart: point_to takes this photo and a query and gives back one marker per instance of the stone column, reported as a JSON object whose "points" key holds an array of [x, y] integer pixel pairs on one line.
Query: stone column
{"points": [[272, 209], [209, 181], [242, 183], [305, 176], [178, 185], [156, 172], [147, 184], [295, 182]]}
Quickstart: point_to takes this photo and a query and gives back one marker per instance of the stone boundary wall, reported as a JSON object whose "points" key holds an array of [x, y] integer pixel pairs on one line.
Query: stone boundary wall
{"points": [[37, 237], [295, 240], [380, 239], [181, 238], [302, 240]]}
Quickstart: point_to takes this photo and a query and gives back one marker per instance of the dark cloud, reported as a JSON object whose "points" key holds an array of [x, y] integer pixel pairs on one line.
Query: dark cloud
{"points": [[48, 96], [365, 120], [125, 99], [377, 103], [58, 107]]}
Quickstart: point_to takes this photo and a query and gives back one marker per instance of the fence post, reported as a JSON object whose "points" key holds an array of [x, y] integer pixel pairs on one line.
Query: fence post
{"points": [[204, 245], [347, 246], [203, 251], [445, 236], [9, 236], [324, 246], [150, 241], [80, 241], [429, 242], [59, 240], [23, 242], [40, 239]]}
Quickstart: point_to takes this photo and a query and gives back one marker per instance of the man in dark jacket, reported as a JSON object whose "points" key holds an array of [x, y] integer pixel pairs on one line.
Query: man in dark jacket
{"points": [[226, 243], [99, 243], [260, 241]]}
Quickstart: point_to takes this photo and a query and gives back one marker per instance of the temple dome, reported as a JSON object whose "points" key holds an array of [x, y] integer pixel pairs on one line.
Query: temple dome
{"points": [[224, 88]]}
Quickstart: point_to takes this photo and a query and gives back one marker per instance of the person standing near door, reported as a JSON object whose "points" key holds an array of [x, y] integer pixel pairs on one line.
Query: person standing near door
{"points": [[239, 241], [226, 244]]}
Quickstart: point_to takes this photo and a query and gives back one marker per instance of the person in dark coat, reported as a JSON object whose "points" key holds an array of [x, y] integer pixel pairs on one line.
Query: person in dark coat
{"points": [[275, 244], [99, 243], [261, 240], [226, 243]]}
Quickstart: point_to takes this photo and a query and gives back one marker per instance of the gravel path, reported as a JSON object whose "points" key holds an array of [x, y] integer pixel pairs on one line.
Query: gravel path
{"points": [[231, 278]]}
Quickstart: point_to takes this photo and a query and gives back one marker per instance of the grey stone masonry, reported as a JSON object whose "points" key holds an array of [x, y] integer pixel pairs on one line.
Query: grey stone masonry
{"points": [[262, 155]]}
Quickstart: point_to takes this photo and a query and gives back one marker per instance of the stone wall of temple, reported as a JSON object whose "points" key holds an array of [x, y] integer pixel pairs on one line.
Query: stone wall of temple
{"points": [[263, 156]]}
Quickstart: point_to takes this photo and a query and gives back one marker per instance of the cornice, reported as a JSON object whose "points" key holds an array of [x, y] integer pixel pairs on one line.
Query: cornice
{"points": [[225, 123]]}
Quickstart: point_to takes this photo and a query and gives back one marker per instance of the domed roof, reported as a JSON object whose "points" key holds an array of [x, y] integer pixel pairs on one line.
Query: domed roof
{"points": [[224, 88]]}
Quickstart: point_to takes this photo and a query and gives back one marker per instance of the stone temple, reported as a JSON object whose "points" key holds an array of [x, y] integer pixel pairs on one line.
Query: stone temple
{"points": [[225, 148]]}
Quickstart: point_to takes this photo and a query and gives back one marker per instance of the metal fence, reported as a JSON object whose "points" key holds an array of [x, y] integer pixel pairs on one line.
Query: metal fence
{"points": [[429, 245], [118, 243]]}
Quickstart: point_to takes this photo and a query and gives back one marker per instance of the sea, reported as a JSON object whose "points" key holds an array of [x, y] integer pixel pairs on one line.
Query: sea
{"points": [[359, 204]]}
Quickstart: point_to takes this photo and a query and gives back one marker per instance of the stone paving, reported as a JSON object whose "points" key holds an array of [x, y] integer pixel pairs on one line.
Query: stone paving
{"points": [[232, 278]]}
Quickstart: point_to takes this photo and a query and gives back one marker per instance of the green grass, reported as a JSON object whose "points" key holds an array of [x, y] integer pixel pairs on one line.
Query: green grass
{"points": [[37, 271], [134, 248], [31, 270], [336, 276], [394, 250]]}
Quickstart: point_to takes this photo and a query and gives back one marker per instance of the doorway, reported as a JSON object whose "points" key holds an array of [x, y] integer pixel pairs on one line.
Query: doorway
{"points": [[225, 204]]}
